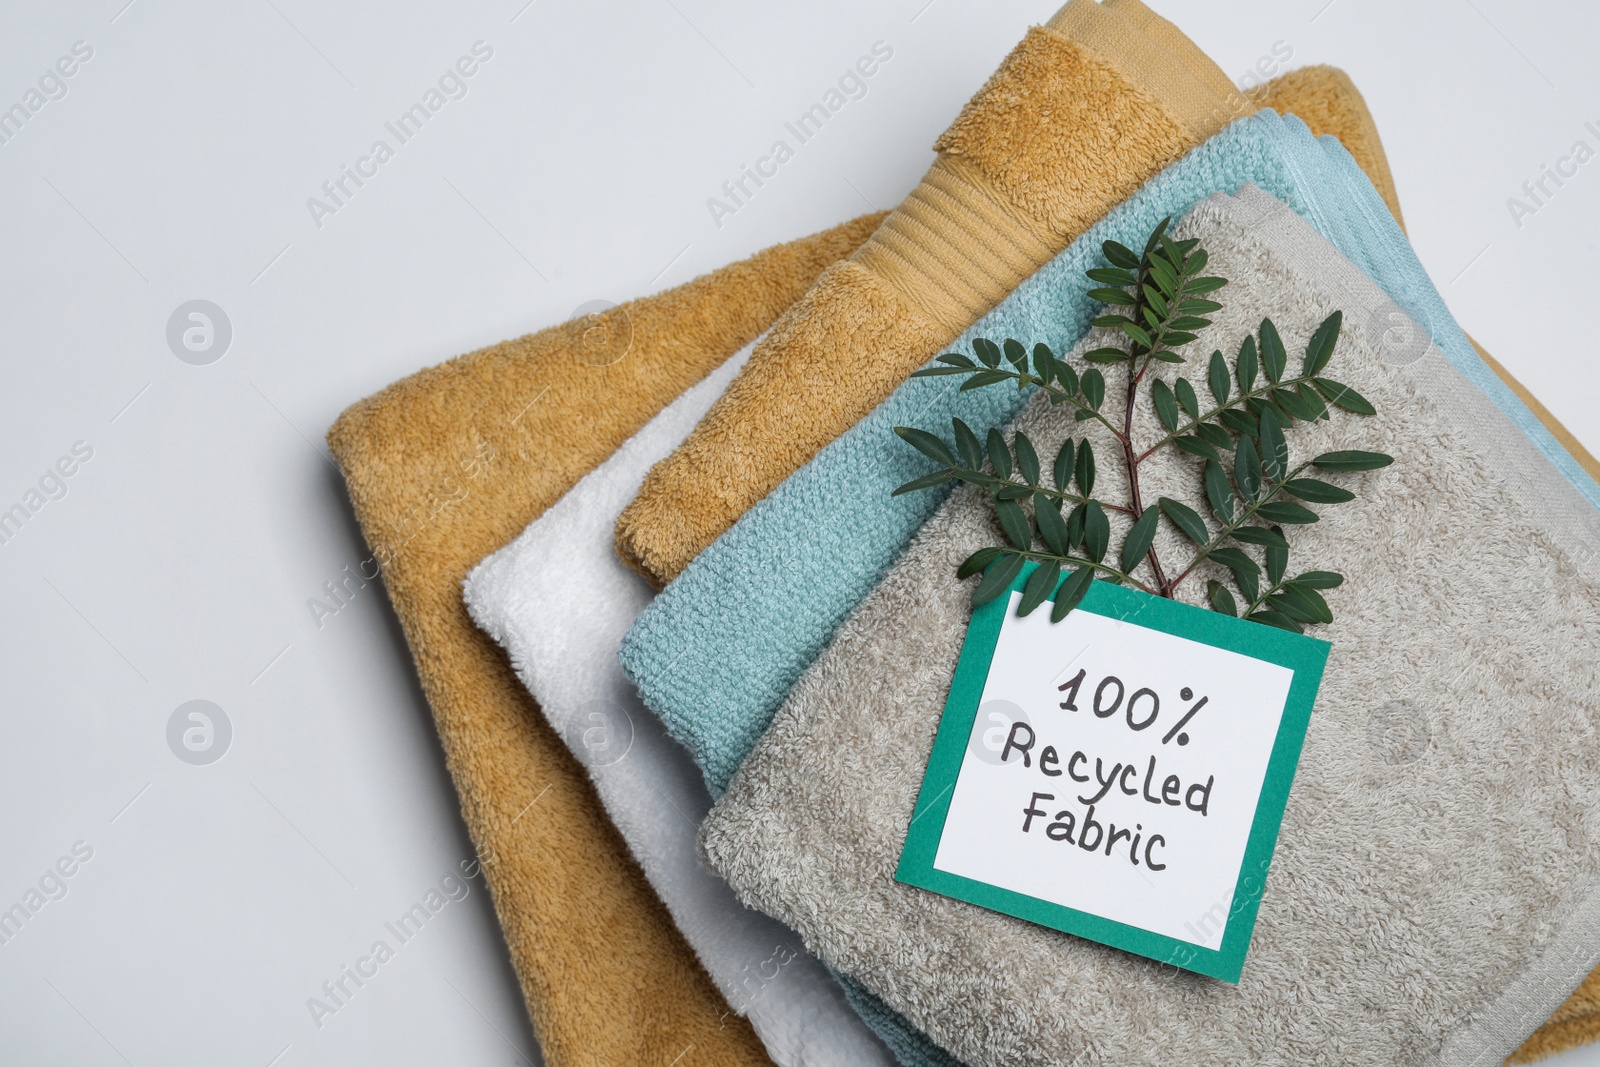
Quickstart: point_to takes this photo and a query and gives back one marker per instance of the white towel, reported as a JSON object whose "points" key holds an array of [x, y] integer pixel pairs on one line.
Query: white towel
{"points": [[559, 601]]}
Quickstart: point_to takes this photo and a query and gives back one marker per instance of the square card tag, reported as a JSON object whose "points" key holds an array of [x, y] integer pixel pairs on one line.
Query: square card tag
{"points": [[1119, 775]]}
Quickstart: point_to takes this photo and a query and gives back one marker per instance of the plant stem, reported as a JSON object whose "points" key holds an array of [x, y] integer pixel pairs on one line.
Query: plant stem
{"points": [[1132, 463], [1129, 458], [1076, 561]]}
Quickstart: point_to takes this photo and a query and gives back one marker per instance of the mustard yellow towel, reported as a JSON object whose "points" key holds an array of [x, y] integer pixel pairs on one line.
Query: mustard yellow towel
{"points": [[445, 467], [1079, 115]]}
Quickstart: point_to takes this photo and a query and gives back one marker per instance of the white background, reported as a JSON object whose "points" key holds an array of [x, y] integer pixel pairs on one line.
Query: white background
{"points": [[220, 897]]}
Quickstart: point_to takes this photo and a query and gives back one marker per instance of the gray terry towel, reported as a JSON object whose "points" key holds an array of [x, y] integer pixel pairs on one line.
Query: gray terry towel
{"points": [[1431, 896]]}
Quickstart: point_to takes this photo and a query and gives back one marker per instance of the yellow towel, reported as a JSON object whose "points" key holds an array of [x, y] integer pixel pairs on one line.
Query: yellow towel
{"points": [[1080, 114], [449, 465]]}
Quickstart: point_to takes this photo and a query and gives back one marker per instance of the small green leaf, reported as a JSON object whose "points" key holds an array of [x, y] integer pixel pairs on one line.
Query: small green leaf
{"points": [[976, 562], [1105, 355], [978, 478], [1296, 607], [1137, 332], [1085, 468], [1312, 400], [1320, 579], [1277, 560], [1273, 357], [1204, 285], [997, 578], [1287, 513], [1016, 355], [927, 444], [987, 351], [1140, 537], [1176, 338], [1249, 583], [1041, 583], [1163, 273], [1110, 321], [1071, 593], [1067, 378], [999, 455], [1198, 307], [1217, 377], [1166, 404], [983, 379], [1344, 396], [1120, 255], [1062, 472], [1157, 303], [1247, 469], [1015, 523], [1075, 524], [1093, 385], [1215, 436], [967, 445], [1011, 491], [1274, 449], [1110, 296], [927, 481], [1195, 446], [1044, 363], [1246, 365], [1197, 262], [1239, 422], [939, 372], [955, 360], [1096, 531], [1185, 518], [1352, 460], [1317, 491], [1052, 527], [1276, 618], [1172, 357], [1309, 600], [1220, 599], [1260, 535], [1111, 276], [1187, 400], [1219, 493], [1027, 458], [1292, 402], [1155, 235], [1320, 349], [1189, 323], [1235, 559]]}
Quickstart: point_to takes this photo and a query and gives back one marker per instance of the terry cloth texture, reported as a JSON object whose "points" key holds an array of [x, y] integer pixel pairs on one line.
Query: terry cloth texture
{"points": [[447, 466], [1470, 619], [1081, 113], [558, 601], [715, 654]]}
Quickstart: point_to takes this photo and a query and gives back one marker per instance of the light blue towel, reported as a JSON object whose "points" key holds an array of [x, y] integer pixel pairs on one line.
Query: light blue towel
{"points": [[719, 649], [717, 652]]}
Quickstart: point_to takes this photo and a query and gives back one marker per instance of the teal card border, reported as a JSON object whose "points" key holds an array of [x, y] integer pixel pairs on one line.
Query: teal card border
{"points": [[1305, 656]]}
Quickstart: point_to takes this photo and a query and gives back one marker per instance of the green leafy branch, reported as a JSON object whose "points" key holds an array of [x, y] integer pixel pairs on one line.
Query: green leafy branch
{"points": [[1245, 475]]}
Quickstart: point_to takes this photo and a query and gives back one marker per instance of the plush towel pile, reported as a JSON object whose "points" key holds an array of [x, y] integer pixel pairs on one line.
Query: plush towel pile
{"points": [[450, 465], [1471, 613]]}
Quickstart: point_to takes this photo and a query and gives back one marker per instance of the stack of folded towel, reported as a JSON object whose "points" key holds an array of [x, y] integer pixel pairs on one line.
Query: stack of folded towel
{"points": [[610, 744]]}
